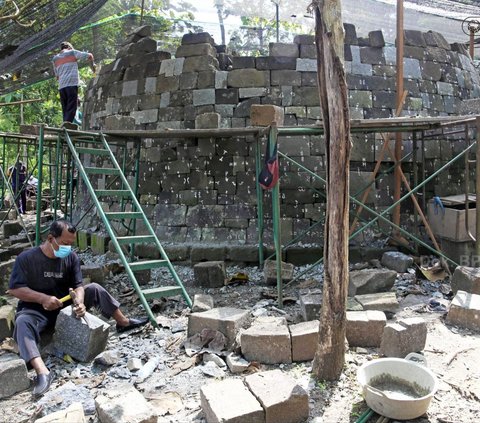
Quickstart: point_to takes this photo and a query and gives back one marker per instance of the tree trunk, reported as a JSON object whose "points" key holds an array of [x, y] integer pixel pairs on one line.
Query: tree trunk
{"points": [[330, 355]]}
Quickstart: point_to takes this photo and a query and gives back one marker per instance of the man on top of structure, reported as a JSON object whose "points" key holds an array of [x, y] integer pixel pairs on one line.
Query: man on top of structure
{"points": [[65, 66], [42, 276]]}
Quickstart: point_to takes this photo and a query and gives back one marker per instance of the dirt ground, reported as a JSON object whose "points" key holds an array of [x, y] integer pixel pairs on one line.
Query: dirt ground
{"points": [[173, 389]]}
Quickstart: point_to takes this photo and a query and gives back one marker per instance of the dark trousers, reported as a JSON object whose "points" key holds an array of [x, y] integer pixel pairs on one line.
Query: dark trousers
{"points": [[29, 324], [22, 199], [69, 101]]}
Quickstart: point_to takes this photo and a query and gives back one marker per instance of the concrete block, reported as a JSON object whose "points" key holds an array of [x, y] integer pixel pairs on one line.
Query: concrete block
{"points": [[7, 319], [304, 340], [282, 398], [94, 272], [265, 115], [310, 306], [365, 328], [210, 274], [227, 320], [369, 281], [202, 302], [13, 374], [267, 342], [99, 243], [465, 310], [124, 405], [466, 279], [229, 401], [404, 337], [383, 301], [78, 339], [270, 272], [397, 261], [74, 414], [207, 121]]}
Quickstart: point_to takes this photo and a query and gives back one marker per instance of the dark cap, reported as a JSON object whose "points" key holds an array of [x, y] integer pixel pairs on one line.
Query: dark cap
{"points": [[65, 45]]}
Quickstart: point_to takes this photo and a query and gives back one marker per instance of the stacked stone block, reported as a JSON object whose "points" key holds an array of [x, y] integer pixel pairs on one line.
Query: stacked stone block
{"points": [[203, 189]]}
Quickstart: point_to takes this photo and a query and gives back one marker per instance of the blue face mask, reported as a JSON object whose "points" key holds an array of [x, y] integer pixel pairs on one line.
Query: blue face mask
{"points": [[63, 250]]}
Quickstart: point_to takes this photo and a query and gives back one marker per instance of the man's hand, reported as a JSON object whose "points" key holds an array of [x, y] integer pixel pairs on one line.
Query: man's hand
{"points": [[51, 303], [79, 310]]}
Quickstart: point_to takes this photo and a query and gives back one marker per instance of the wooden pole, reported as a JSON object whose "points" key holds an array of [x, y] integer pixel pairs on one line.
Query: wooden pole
{"points": [[329, 38], [472, 43], [14, 103], [398, 136], [477, 192]]}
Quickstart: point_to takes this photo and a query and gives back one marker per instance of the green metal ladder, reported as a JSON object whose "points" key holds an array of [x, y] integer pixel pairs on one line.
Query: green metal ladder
{"points": [[126, 193]]}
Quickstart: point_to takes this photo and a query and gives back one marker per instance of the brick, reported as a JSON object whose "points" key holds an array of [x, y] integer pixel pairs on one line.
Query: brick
{"points": [[229, 401], [282, 398], [265, 115], [7, 318], [13, 374], [227, 320], [310, 306], [73, 413], [365, 328], [383, 301], [78, 339], [124, 405], [368, 281], [397, 261], [465, 310], [466, 279], [210, 274], [267, 341], [304, 337], [404, 337]]}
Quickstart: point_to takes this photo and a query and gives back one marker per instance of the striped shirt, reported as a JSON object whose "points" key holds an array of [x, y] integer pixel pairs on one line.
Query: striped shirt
{"points": [[66, 68]]}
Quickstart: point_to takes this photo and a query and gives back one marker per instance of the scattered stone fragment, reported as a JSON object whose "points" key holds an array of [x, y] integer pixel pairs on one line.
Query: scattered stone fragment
{"points": [[74, 414], [383, 301], [124, 405], [209, 274], [304, 340], [95, 272], [236, 364], [202, 302], [403, 337], [466, 279], [69, 394], [465, 310], [397, 261], [211, 369], [370, 281], [134, 364], [7, 317], [13, 374], [147, 370], [223, 319], [267, 342], [78, 339], [310, 306], [229, 401], [270, 272], [108, 358], [283, 400], [365, 328], [120, 373], [215, 358]]}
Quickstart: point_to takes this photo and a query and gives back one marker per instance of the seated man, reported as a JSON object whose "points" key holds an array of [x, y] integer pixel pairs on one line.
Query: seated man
{"points": [[39, 278]]}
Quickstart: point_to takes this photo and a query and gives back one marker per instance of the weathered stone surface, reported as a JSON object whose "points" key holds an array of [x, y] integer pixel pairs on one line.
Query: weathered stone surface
{"points": [[394, 260], [229, 401], [198, 38], [227, 320], [270, 272], [207, 121], [204, 96], [11, 228], [7, 318], [383, 301], [414, 38], [13, 374], [283, 49], [376, 39], [282, 398], [196, 50], [403, 337], [304, 340], [78, 339], [244, 78], [99, 242], [70, 394], [466, 279], [94, 272], [5, 272], [236, 363], [202, 302], [267, 341], [310, 306], [124, 405], [365, 328], [265, 115], [369, 281], [117, 122], [199, 64], [210, 274], [74, 414], [465, 310]]}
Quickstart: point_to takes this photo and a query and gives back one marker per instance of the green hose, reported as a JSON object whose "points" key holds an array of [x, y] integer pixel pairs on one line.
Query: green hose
{"points": [[365, 416]]}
